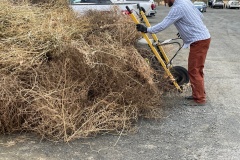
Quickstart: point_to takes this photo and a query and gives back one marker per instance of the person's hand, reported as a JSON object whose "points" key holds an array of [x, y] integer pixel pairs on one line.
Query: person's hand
{"points": [[141, 28]]}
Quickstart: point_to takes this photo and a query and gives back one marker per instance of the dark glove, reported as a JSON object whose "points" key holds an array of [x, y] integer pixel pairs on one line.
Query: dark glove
{"points": [[141, 28]]}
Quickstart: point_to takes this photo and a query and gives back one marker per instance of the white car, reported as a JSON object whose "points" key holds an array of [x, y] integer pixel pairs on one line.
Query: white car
{"points": [[148, 6], [82, 6], [76, 1], [233, 4], [218, 4]]}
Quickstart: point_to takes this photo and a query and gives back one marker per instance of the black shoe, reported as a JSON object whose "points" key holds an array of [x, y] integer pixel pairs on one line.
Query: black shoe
{"points": [[189, 98]]}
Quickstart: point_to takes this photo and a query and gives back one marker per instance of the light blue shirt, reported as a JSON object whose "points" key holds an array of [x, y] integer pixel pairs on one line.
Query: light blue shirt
{"points": [[188, 21]]}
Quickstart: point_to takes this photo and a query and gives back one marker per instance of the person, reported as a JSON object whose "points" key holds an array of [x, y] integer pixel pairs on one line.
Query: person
{"points": [[188, 21]]}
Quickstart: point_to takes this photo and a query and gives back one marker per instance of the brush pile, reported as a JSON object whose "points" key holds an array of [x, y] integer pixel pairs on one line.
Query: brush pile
{"points": [[65, 76]]}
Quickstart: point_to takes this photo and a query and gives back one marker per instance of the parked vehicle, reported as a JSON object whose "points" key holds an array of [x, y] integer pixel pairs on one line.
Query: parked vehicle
{"points": [[148, 6], [217, 4], [210, 3], [201, 6], [76, 1], [233, 4], [81, 6]]}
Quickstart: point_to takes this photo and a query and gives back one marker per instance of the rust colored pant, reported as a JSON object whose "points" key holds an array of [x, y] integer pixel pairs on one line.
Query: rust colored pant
{"points": [[196, 60]]}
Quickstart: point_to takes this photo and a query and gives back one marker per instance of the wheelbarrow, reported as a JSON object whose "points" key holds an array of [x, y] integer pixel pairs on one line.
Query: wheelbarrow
{"points": [[178, 75]]}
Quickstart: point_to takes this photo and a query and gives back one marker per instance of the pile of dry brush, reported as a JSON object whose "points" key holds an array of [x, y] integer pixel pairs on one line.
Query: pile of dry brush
{"points": [[66, 77]]}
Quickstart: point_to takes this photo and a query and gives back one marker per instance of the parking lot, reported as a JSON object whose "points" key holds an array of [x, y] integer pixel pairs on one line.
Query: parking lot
{"points": [[210, 132]]}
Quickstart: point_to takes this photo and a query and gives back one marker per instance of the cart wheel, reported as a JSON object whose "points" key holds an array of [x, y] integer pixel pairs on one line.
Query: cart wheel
{"points": [[180, 74]]}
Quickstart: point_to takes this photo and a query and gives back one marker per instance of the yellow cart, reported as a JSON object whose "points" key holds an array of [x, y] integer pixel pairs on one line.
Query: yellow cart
{"points": [[177, 74]]}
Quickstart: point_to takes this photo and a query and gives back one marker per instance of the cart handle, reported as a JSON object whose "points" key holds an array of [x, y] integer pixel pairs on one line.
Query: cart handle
{"points": [[155, 51], [128, 9], [138, 6]]}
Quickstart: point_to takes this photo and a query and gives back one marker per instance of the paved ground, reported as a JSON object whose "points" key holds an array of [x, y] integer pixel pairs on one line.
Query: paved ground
{"points": [[184, 133]]}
